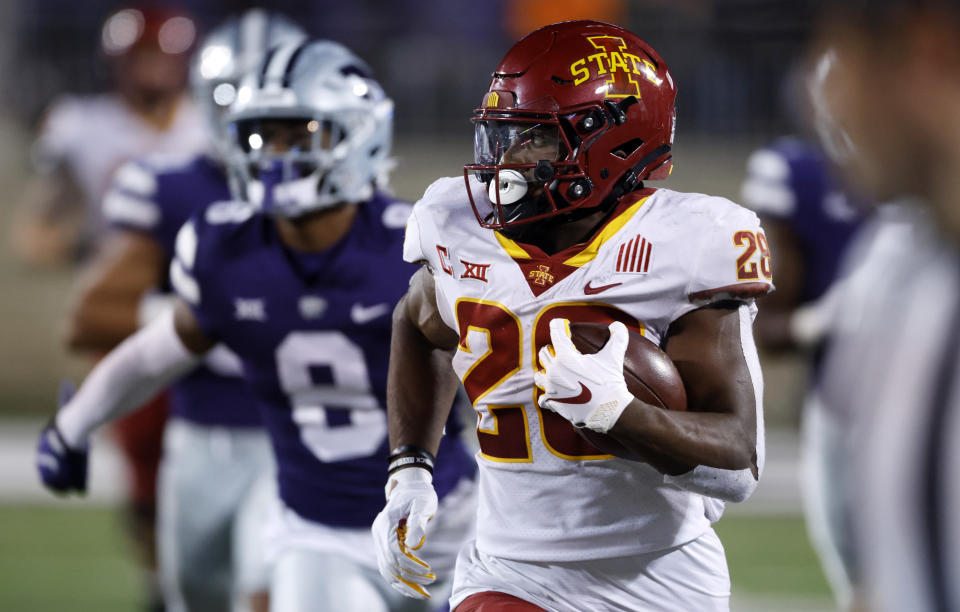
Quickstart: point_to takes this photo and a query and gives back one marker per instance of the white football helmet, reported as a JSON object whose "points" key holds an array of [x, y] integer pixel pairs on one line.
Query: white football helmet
{"points": [[336, 125], [228, 52]]}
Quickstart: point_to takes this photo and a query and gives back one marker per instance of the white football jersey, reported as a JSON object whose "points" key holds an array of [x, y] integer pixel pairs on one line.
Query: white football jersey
{"points": [[94, 135], [545, 493]]}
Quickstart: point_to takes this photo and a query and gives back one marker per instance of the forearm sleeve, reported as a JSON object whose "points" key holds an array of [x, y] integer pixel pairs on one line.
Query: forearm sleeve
{"points": [[129, 375], [726, 485]]}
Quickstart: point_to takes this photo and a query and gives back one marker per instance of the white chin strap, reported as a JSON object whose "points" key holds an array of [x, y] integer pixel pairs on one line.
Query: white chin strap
{"points": [[290, 198], [300, 193], [512, 187]]}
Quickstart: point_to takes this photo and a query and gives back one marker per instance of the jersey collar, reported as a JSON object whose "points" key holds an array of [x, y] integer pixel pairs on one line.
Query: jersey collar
{"points": [[542, 271]]}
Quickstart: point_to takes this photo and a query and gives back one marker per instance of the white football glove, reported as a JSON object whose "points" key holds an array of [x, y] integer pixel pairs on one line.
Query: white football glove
{"points": [[587, 390], [401, 528]]}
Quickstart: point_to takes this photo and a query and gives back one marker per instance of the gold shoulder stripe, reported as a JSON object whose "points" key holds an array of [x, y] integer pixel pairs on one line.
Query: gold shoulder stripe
{"points": [[513, 249], [615, 225]]}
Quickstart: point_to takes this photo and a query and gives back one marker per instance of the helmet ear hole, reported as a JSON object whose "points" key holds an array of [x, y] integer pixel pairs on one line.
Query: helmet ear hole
{"points": [[628, 148]]}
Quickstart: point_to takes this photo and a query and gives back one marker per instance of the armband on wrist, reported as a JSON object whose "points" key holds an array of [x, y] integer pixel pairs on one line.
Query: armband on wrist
{"points": [[409, 455]]}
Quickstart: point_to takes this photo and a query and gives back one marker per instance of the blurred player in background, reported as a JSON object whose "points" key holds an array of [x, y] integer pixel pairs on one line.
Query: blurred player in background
{"points": [[216, 466], [809, 220], [84, 139], [299, 281], [577, 115], [893, 95]]}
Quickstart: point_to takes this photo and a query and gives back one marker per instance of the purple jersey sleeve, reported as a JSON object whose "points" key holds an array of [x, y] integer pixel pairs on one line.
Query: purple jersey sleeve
{"points": [[156, 196]]}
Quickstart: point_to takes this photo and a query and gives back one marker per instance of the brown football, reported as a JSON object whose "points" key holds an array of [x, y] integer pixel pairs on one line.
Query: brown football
{"points": [[650, 375]]}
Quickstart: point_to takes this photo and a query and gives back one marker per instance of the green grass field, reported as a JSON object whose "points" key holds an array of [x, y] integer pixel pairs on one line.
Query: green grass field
{"points": [[771, 556], [55, 559]]}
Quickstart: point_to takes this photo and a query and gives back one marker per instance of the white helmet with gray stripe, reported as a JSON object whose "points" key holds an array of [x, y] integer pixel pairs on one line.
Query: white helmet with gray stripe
{"points": [[310, 129], [230, 51]]}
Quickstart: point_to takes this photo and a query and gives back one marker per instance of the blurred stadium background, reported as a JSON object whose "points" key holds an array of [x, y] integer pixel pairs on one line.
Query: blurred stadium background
{"points": [[732, 60]]}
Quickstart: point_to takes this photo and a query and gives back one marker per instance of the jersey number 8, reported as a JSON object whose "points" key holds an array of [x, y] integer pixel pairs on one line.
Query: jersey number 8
{"points": [[313, 404]]}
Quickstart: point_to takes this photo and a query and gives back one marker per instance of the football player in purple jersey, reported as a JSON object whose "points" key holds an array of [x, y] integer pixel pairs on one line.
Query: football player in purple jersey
{"points": [[810, 219], [216, 468], [299, 280]]}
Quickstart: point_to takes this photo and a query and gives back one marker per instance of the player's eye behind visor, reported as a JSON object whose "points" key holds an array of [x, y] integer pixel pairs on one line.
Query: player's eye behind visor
{"points": [[498, 142]]}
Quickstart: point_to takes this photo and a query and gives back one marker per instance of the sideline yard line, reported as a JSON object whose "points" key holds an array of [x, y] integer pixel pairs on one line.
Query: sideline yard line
{"points": [[778, 492], [19, 483]]}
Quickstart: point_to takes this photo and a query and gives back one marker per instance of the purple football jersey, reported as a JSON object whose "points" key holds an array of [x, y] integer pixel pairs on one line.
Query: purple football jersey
{"points": [[791, 181], [313, 332], [156, 196]]}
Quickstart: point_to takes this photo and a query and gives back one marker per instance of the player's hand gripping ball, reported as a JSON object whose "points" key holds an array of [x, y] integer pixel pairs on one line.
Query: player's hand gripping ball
{"points": [[587, 390], [614, 365]]}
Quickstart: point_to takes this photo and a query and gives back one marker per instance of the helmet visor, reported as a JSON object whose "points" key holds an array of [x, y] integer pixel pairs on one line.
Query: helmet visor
{"points": [[304, 144], [278, 136], [502, 142]]}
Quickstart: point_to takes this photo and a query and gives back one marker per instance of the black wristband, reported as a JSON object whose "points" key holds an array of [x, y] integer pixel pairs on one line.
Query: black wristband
{"points": [[409, 461], [409, 455], [411, 449]]}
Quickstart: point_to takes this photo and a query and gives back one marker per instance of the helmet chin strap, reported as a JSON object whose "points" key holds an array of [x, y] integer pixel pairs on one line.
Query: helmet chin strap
{"points": [[289, 198], [298, 194]]}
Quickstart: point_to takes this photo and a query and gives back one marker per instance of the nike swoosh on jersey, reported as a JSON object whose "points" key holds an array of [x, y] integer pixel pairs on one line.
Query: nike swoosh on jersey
{"points": [[361, 314], [587, 289], [582, 398]]}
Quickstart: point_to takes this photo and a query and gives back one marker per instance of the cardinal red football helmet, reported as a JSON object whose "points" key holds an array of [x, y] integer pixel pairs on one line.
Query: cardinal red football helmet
{"points": [[577, 115]]}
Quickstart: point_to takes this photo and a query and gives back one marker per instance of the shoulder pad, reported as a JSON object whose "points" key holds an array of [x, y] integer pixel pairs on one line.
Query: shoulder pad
{"points": [[767, 188], [137, 178], [396, 214], [168, 162], [182, 276], [231, 211], [446, 192], [734, 258], [131, 200]]}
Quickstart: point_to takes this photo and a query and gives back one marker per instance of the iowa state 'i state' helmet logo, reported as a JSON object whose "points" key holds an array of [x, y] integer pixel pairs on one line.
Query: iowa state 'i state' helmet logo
{"points": [[613, 59]]}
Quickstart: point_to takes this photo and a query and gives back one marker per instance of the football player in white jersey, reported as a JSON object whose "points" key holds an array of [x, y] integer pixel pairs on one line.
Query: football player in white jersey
{"points": [[892, 98], [84, 139], [554, 224]]}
